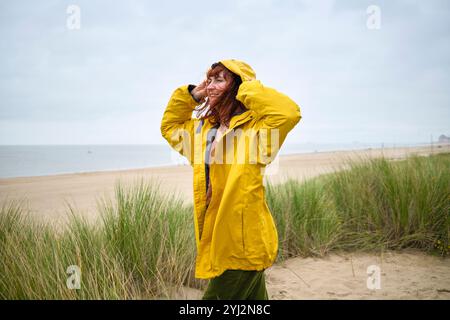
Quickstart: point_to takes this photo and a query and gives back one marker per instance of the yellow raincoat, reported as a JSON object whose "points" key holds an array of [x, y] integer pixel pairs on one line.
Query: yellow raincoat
{"points": [[236, 231]]}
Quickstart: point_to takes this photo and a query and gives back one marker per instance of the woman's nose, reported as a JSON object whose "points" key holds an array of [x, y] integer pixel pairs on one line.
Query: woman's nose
{"points": [[211, 85]]}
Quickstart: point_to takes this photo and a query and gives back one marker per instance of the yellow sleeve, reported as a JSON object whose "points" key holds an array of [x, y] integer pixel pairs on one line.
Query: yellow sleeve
{"points": [[177, 125], [276, 114]]}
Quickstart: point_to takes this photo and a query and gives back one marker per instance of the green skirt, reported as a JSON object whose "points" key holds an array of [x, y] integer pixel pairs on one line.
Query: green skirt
{"points": [[237, 285]]}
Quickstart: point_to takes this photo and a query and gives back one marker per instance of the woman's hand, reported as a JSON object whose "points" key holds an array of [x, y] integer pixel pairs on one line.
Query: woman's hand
{"points": [[199, 92]]}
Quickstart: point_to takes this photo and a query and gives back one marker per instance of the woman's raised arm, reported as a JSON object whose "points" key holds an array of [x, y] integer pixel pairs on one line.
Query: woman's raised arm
{"points": [[276, 114], [177, 125]]}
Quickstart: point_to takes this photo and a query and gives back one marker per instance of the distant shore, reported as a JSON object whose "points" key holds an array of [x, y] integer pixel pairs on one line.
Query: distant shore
{"points": [[47, 197]]}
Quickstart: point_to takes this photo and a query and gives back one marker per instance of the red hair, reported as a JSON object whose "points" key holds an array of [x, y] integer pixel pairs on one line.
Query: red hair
{"points": [[224, 109]]}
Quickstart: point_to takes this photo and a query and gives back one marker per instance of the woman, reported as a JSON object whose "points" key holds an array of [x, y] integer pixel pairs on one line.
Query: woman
{"points": [[235, 233]]}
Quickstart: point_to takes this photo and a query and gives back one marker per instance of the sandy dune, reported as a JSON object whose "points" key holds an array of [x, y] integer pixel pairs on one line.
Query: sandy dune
{"points": [[405, 275], [409, 274]]}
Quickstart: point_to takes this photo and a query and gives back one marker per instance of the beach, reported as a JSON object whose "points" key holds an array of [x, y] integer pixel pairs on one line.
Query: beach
{"points": [[408, 274], [49, 197]]}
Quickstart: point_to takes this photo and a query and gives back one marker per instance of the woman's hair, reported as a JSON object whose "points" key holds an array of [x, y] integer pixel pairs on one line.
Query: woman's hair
{"points": [[224, 109]]}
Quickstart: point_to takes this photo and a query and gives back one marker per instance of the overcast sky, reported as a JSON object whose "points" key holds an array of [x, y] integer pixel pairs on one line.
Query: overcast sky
{"points": [[109, 81]]}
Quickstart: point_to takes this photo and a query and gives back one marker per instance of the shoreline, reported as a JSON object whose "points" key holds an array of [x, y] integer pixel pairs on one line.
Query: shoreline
{"points": [[48, 196], [365, 148]]}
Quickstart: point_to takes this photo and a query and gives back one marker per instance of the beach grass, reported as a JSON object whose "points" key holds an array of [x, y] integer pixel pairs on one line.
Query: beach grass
{"points": [[143, 247], [372, 204]]}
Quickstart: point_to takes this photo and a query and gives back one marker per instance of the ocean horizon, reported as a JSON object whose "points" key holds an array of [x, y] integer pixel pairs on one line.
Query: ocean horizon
{"points": [[42, 160]]}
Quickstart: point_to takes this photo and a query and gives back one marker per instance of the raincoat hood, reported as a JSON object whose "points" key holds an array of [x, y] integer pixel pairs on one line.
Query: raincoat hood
{"points": [[240, 68]]}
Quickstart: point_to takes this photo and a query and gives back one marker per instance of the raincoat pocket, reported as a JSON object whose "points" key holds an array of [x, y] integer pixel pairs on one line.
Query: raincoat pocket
{"points": [[253, 232]]}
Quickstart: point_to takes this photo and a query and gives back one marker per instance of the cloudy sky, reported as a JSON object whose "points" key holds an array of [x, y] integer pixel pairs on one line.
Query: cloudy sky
{"points": [[109, 81]]}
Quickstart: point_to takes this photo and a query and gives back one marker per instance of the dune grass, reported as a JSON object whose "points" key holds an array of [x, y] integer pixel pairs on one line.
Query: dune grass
{"points": [[143, 247], [373, 204]]}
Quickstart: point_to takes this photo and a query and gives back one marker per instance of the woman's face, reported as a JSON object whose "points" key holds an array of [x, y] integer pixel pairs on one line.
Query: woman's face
{"points": [[216, 86]]}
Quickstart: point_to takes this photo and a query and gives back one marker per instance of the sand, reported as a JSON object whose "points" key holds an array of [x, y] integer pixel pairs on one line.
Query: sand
{"points": [[409, 274], [403, 275], [412, 275]]}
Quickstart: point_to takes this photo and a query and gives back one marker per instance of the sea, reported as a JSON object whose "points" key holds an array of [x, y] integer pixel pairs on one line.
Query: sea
{"points": [[41, 160]]}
